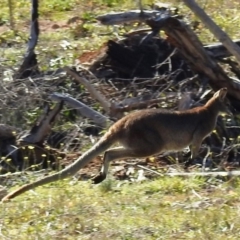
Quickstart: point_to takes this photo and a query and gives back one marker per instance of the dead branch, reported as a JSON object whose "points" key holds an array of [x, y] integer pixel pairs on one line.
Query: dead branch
{"points": [[29, 66], [83, 109], [93, 92], [113, 109], [126, 17], [43, 126], [218, 50], [217, 31]]}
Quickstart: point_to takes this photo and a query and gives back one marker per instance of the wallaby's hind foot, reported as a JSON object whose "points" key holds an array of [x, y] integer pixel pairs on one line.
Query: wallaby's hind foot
{"points": [[98, 178]]}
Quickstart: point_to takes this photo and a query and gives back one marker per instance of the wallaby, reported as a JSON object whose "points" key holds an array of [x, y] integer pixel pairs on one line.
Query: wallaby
{"points": [[145, 133]]}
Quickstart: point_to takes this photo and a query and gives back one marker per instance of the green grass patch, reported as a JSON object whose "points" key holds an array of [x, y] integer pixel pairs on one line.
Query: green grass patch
{"points": [[166, 208]]}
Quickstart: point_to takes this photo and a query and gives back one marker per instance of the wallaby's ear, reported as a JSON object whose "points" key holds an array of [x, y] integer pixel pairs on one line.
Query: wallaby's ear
{"points": [[221, 94]]}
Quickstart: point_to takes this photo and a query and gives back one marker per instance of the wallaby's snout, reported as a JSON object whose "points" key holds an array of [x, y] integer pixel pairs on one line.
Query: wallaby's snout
{"points": [[223, 103], [220, 95], [218, 101]]}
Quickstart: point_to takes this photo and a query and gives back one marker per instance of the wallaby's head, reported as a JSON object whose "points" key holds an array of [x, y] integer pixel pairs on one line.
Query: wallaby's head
{"points": [[221, 94], [218, 100]]}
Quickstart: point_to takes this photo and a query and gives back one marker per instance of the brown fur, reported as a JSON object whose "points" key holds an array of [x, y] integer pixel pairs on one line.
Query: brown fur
{"points": [[145, 133]]}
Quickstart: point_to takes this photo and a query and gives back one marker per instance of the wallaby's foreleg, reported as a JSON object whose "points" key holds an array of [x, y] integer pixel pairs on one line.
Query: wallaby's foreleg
{"points": [[194, 148], [111, 155]]}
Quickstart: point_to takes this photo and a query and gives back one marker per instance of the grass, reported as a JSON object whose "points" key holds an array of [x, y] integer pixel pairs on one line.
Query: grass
{"points": [[164, 208]]}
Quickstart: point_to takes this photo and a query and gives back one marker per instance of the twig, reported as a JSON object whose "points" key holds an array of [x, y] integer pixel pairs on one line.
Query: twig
{"points": [[150, 170]]}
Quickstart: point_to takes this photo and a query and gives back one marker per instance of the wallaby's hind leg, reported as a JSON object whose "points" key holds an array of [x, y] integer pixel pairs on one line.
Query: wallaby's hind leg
{"points": [[111, 155]]}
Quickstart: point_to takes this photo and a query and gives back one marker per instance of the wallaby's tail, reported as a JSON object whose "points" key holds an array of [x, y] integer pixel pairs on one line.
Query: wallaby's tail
{"points": [[102, 145]]}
